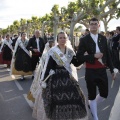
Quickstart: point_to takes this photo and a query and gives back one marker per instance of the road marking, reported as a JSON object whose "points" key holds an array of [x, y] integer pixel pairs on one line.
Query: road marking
{"points": [[9, 91], [18, 85], [106, 107], [30, 103], [18, 97]]}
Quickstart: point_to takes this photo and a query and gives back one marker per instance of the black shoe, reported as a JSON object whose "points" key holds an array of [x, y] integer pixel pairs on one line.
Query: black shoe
{"points": [[22, 79], [32, 77], [8, 66]]}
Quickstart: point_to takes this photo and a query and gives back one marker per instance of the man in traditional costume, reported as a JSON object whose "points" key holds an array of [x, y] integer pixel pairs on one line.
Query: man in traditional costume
{"points": [[97, 58], [36, 45]]}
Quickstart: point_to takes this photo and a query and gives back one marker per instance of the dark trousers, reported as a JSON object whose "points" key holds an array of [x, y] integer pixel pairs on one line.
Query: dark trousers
{"points": [[35, 60], [96, 78], [115, 58]]}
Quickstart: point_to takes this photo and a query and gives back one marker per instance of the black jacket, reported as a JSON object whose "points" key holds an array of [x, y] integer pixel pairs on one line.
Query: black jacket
{"points": [[88, 45], [14, 41], [32, 44], [115, 40]]}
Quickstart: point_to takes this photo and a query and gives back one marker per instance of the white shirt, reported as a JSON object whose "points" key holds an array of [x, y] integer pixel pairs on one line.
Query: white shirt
{"points": [[38, 47], [76, 41], [95, 38]]}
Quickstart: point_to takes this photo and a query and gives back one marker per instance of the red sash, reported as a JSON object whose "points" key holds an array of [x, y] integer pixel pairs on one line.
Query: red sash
{"points": [[97, 64], [7, 62], [36, 54], [1, 59]]}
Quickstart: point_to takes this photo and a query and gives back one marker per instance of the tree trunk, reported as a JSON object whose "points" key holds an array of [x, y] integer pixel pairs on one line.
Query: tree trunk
{"points": [[43, 26], [55, 27], [72, 25], [105, 25], [28, 31]]}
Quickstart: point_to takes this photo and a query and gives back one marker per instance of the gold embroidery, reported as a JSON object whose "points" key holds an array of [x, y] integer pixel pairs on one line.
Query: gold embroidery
{"points": [[58, 58]]}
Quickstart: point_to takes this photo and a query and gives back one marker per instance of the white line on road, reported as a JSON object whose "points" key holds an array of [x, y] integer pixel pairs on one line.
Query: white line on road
{"points": [[18, 85], [106, 107], [18, 97], [30, 103]]}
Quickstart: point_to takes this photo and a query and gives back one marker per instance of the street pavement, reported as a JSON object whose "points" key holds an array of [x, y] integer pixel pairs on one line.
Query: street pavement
{"points": [[15, 106]]}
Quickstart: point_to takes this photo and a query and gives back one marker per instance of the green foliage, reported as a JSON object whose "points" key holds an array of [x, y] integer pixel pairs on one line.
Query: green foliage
{"points": [[4, 31], [55, 9], [89, 8]]}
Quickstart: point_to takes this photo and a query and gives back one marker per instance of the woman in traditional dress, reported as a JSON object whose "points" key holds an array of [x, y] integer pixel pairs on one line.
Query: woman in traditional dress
{"points": [[35, 84], [22, 56], [1, 40], [7, 49], [62, 99]]}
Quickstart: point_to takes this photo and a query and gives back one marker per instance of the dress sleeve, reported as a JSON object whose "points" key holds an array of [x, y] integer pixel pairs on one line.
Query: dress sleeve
{"points": [[76, 62], [51, 65]]}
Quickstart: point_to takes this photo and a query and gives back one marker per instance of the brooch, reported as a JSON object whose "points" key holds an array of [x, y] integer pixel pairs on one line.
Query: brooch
{"points": [[61, 55], [99, 39]]}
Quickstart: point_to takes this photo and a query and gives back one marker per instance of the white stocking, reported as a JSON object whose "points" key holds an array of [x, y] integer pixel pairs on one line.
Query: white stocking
{"points": [[99, 99], [93, 108]]}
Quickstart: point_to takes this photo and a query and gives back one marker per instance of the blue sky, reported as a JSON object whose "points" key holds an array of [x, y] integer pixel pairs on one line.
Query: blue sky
{"points": [[11, 10]]}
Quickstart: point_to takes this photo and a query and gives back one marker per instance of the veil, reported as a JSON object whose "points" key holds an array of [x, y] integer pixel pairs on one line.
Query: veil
{"points": [[68, 42], [36, 82]]}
